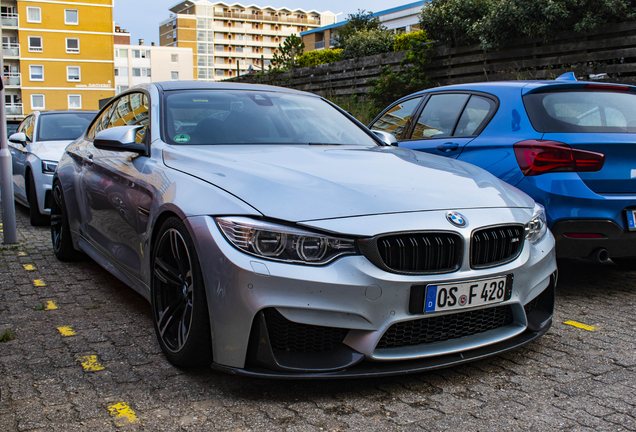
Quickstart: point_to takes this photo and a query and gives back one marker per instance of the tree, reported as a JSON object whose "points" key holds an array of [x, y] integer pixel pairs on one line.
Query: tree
{"points": [[291, 48], [357, 22], [367, 42]]}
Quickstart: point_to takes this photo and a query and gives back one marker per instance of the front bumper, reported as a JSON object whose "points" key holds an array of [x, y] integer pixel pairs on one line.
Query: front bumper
{"points": [[353, 295]]}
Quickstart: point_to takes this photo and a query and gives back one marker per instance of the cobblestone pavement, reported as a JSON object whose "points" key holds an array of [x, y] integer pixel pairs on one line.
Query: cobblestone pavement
{"points": [[85, 358]]}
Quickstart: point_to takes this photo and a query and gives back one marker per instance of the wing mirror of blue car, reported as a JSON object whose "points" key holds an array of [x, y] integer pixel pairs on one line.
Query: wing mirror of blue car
{"points": [[386, 137], [120, 138], [18, 138]]}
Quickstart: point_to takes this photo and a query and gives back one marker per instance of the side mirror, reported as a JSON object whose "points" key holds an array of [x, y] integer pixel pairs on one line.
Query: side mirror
{"points": [[386, 137], [18, 138], [120, 138]]}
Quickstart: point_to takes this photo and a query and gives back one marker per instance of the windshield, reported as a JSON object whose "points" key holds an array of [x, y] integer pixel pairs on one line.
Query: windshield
{"points": [[63, 126], [239, 117], [582, 111]]}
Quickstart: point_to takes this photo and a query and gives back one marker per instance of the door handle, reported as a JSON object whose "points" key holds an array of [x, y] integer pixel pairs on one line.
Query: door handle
{"points": [[89, 159], [447, 147]]}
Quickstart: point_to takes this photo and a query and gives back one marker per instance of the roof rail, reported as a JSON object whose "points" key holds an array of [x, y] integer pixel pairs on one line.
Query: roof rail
{"points": [[568, 76]]}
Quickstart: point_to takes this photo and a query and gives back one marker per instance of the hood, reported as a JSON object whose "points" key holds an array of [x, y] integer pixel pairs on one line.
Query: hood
{"points": [[304, 182], [49, 150]]}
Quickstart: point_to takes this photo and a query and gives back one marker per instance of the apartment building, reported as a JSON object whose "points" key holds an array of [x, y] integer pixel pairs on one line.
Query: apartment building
{"points": [[140, 64], [227, 39], [58, 55], [400, 19]]}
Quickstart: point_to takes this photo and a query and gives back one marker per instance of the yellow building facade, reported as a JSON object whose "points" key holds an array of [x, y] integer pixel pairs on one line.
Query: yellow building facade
{"points": [[66, 54]]}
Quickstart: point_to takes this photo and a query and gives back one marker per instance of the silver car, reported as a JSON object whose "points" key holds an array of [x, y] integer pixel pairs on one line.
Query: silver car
{"points": [[274, 235], [36, 148]]}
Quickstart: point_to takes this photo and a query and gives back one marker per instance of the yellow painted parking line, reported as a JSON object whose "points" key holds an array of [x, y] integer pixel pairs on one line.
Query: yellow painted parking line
{"points": [[123, 413], [50, 305], [66, 331], [579, 325], [39, 283], [28, 267], [21, 253], [90, 363]]}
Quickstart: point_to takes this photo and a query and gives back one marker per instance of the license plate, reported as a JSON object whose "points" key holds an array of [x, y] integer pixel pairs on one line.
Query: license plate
{"points": [[631, 220], [443, 297]]}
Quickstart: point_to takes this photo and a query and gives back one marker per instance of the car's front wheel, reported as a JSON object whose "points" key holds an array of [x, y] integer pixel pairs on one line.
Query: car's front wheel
{"points": [[36, 218], [179, 304], [60, 228]]}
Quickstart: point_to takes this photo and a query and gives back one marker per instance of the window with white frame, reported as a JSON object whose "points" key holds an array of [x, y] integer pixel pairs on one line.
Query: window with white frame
{"points": [[141, 72], [35, 43], [72, 45], [36, 73], [74, 101], [174, 58], [73, 73], [71, 17], [37, 102], [34, 14], [174, 75]]}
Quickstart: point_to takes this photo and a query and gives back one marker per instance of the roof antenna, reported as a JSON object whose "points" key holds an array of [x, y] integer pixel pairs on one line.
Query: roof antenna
{"points": [[569, 76]]}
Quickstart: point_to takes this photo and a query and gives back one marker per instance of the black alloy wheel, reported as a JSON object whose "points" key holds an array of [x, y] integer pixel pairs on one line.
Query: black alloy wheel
{"points": [[60, 229], [35, 217], [178, 298]]}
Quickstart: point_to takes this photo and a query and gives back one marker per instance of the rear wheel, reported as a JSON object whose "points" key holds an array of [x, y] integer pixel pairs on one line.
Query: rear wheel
{"points": [[60, 228], [179, 304], [36, 218]]}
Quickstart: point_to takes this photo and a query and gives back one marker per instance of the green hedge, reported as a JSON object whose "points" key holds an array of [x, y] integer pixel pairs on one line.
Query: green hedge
{"points": [[313, 58], [402, 42]]}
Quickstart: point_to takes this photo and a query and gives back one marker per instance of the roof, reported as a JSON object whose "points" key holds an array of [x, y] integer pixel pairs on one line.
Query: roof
{"points": [[201, 85], [376, 14], [187, 3]]}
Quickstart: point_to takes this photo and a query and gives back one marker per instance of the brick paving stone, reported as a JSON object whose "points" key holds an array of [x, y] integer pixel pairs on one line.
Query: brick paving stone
{"points": [[569, 380]]}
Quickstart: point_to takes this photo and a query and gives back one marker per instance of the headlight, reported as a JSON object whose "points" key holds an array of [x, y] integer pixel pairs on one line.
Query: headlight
{"points": [[537, 227], [282, 243], [48, 167]]}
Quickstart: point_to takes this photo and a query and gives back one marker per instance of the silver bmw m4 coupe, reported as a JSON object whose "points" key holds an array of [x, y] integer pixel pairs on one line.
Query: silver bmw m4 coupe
{"points": [[276, 236]]}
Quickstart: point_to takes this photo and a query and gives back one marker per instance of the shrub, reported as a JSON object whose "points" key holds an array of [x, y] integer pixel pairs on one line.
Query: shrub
{"points": [[313, 58], [402, 42], [368, 42]]}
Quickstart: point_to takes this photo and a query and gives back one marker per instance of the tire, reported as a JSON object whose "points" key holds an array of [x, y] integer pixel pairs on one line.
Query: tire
{"points": [[179, 305], [60, 228], [626, 263], [36, 218]]}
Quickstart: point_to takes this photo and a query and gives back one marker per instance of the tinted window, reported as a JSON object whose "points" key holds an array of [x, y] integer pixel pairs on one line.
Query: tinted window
{"points": [[395, 119], [474, 116], [582, 111], [131, 109], [439, 116], [63, 127], [236, 117]]}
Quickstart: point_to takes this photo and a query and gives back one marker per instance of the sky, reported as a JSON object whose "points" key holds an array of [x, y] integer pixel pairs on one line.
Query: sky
{"points": [[142, 17]]}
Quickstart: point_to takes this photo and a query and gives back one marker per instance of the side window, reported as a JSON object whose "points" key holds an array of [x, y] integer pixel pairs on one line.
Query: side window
{"points": [[28, 130], [439, 116], [139, 104], [101, 122], [121, 113], [474, 116], [397, 118]]}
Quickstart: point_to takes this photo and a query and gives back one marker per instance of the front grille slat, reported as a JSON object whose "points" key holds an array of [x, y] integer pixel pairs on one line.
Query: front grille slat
{"points": [[495, 246], [417, 253], [445, 327]]}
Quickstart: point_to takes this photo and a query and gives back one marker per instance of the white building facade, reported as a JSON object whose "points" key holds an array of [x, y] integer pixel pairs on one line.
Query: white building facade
{"points": [[228, 38], [141, 64]]}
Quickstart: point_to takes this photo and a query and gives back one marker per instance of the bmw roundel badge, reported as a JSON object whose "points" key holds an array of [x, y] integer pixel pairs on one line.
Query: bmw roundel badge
{"points": [[456, 219]]}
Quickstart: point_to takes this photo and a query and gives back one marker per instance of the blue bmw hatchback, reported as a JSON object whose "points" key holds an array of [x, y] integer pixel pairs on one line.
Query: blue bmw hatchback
{"points": [[568, 144]]}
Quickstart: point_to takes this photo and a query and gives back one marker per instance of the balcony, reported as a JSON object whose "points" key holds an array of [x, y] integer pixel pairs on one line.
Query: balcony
{"points": [[260, 17], [9, 20], [11, 50], [319, 45], [12, 79], [14, 109]]}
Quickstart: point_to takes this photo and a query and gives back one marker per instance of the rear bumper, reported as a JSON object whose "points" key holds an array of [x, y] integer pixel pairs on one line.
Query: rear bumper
{"points": [[617, 241]]}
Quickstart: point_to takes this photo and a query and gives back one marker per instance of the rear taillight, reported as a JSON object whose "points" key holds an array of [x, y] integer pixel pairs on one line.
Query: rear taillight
{"points": [[536, 157]]}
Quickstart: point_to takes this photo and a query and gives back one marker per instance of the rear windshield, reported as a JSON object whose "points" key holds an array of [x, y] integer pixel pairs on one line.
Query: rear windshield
{"points": [[63, 126], [582, 111], [239, 117]]}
